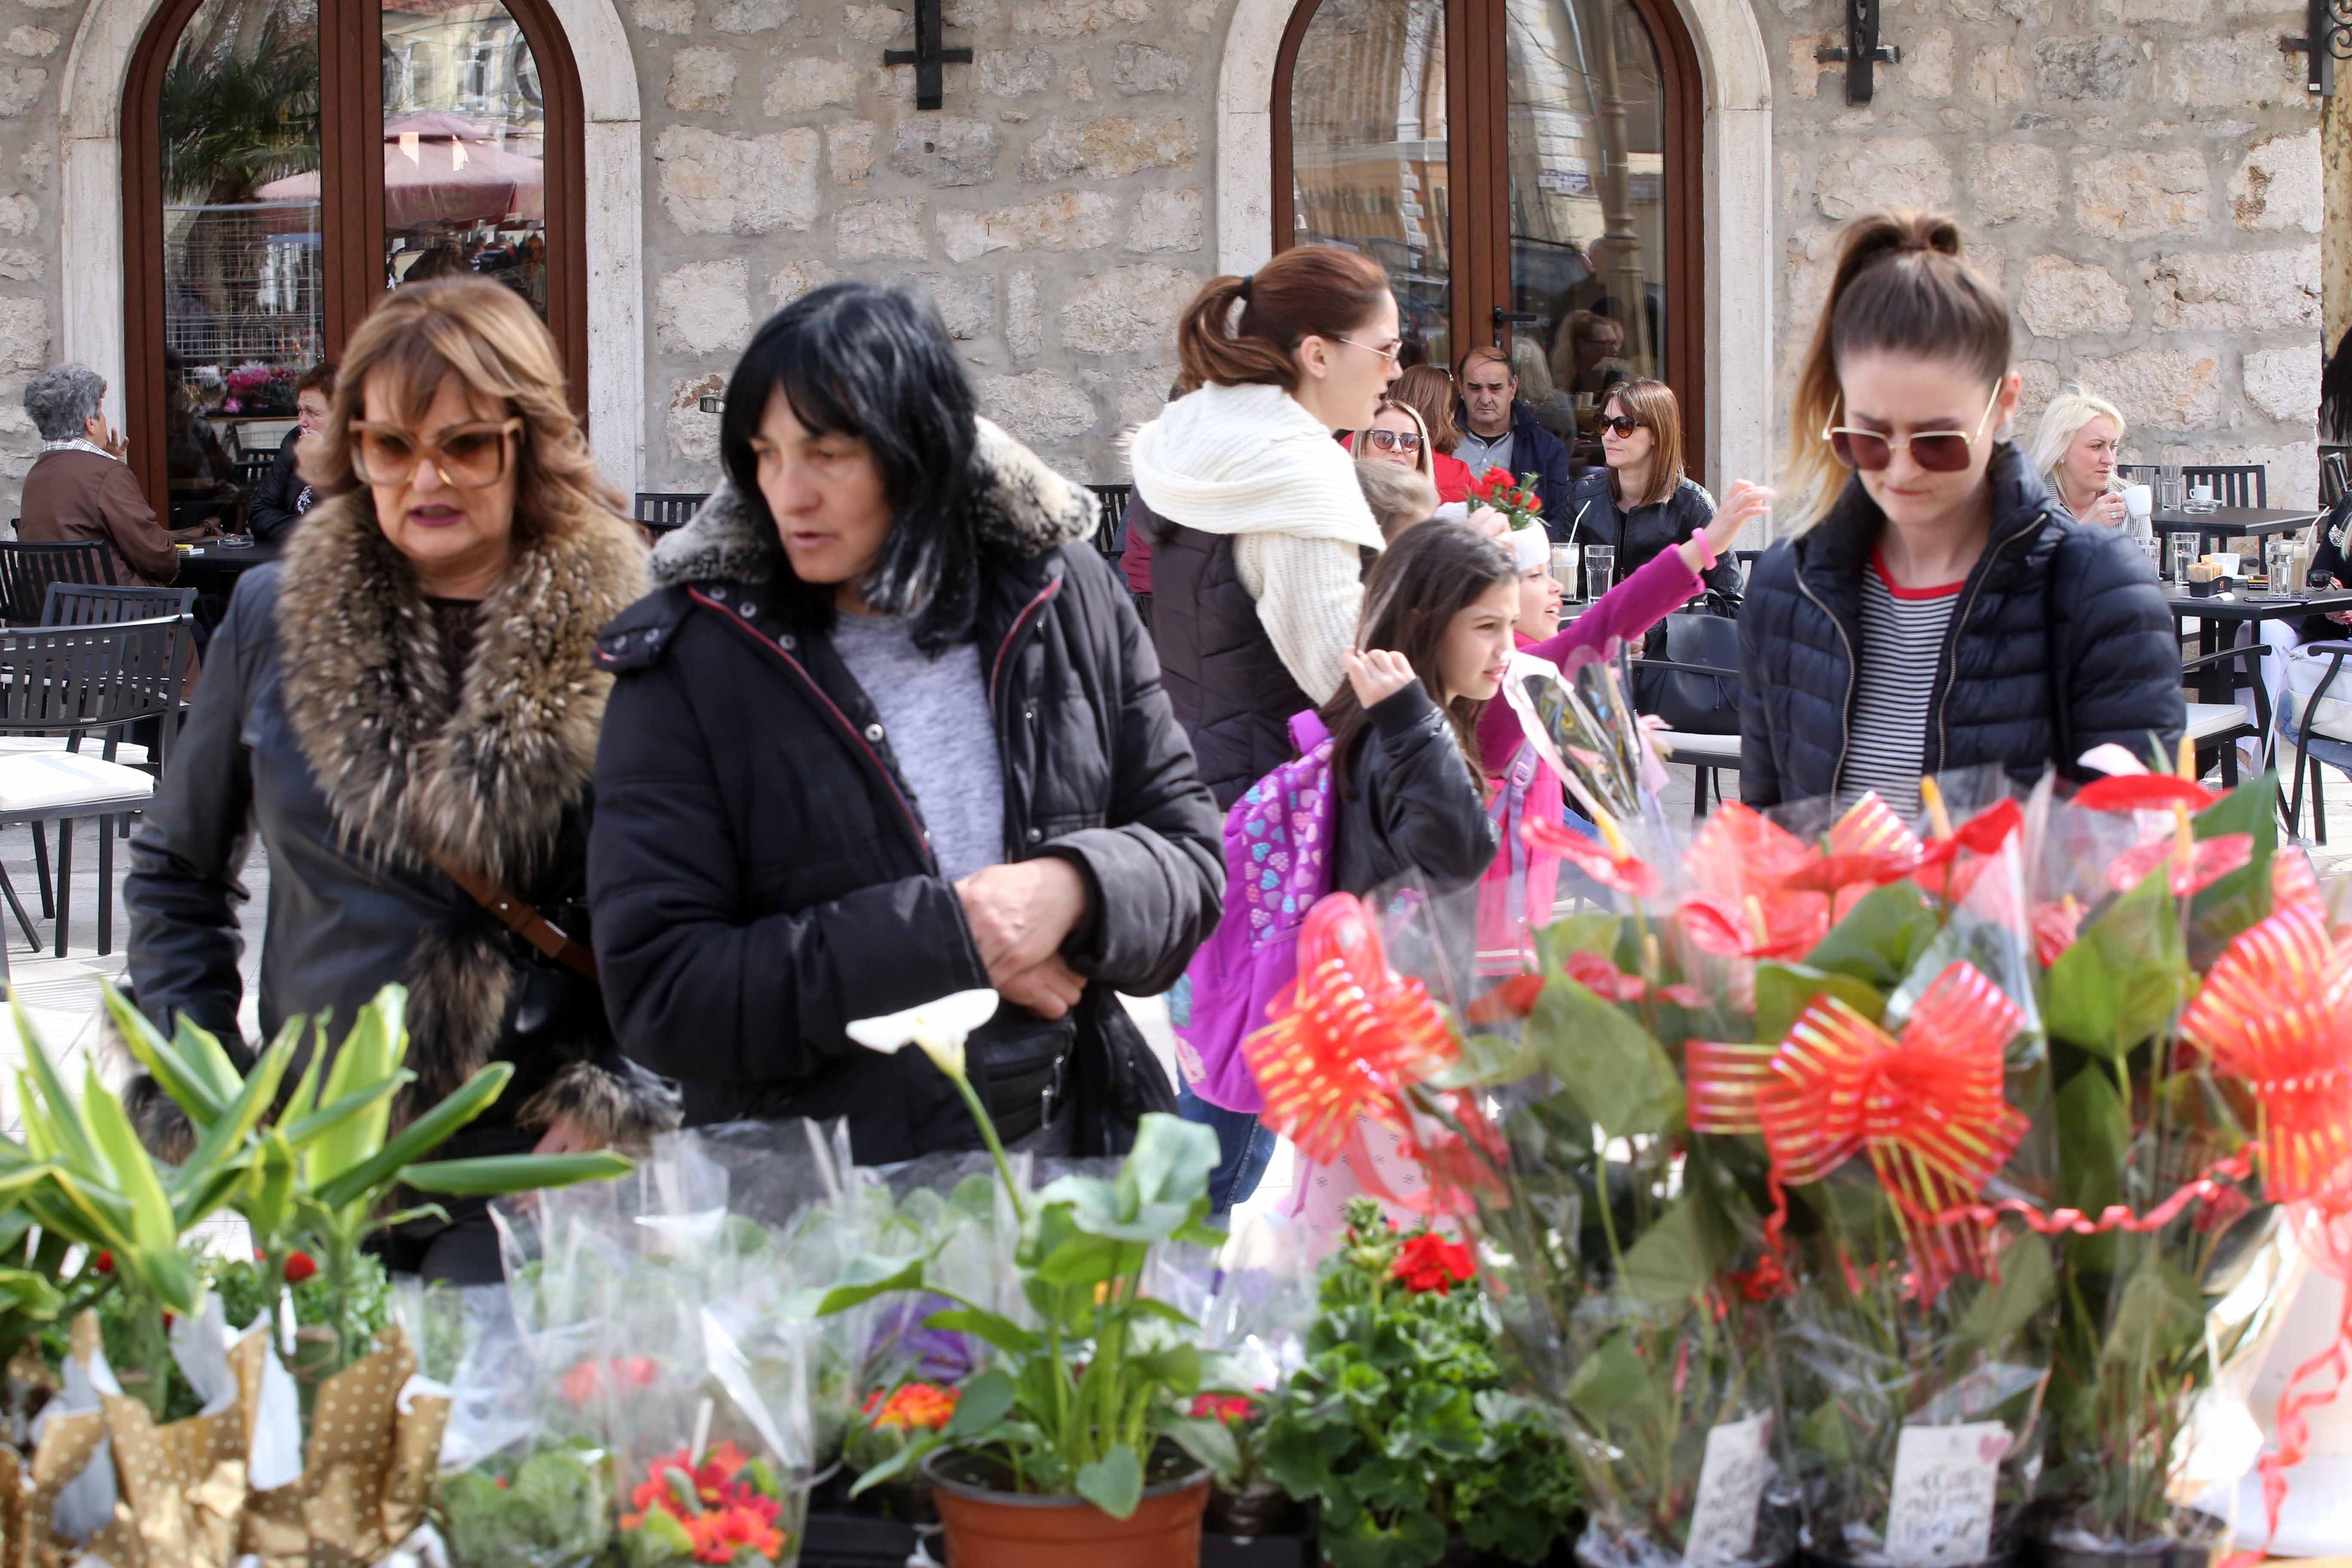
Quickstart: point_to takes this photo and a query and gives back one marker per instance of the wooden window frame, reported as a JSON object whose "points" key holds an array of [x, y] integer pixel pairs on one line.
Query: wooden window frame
{"points": [[1478, 183], [351, 158]]}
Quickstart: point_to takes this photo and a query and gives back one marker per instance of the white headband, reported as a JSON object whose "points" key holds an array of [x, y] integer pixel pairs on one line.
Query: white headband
{"points": [[1530, 548]]}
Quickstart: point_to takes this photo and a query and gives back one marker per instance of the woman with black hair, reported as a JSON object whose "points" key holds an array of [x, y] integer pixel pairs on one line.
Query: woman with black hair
{"points": [[888, 729]]}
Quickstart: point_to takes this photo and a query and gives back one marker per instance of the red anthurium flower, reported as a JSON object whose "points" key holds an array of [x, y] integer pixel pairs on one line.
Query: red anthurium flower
{"points": [[1835, 873], [1625, 873], [1605, 979], [2295, 885], [2056, 926], [1506, 1001], [2143, 792], [1740, 861], [1429, 1262], [2213, 860]]}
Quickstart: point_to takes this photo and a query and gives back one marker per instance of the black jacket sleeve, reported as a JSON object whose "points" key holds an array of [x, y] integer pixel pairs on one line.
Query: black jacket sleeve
{"points": [[698, 989], [1537, 450], [270, 516], [2118, 661], [1760, 774], [1156, 875], [183, 888], [1431, 814]]}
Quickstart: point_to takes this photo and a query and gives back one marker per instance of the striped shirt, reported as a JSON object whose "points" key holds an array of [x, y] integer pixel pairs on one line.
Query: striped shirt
{"points": [[1902, 639]]}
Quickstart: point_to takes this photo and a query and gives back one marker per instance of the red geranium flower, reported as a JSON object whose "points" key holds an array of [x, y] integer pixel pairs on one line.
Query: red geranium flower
{"points": [[1429, 1262], [1228, 1408], [299, 1266]]}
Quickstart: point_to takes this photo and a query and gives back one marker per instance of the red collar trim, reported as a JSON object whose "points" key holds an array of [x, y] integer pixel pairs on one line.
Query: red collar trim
{"points": [[1940, 591]]}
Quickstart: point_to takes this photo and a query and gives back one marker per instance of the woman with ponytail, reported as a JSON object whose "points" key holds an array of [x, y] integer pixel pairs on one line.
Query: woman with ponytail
{"points": [[1260, 532], [1939, 608]]}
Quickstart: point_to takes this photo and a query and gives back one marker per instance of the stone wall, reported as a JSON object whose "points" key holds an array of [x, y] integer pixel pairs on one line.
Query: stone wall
{"points": [[1055, 207], [33, 37], [2143, 175]]}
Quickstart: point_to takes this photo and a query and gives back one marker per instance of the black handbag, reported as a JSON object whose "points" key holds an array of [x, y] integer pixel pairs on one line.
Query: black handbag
{"points": [[1115, 1078], [1695, 704]]}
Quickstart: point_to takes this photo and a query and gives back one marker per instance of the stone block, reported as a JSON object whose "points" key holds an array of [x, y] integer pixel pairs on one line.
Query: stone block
{"points": [[19, 215], [1996, 75], [2236, 290], [2278, 185], [1067, 220], [694, 434], [21, 87], [1805, 67], [2160, 388], [2016, 181], [1139, 68], [702, 80], [945, 152], [664, 16], [2066, 299], [704, 308], [18, 265], [24, 333], [1038, 406], [2037, 383], [33, 43], [1166, 220], [1110, 149], [1127, 308], [805, 86], [2085, 70], [871, 229], [1010, 73], [1927, 68], [715, 182], [2238, 70], [745, 16], [2285, 382], [966, 300], [1024, 327], [1859, 175], [1078, 18], [2136, 194], [795, 279], [877, 24], [2293, 469], [849, 149]]}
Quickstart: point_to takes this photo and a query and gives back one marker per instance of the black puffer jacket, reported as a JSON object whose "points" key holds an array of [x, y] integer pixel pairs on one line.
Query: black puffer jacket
{"points": [[759, 868], [1639, 533], [1226, 684], [1415, 809], [281, 498], [2061, 641]]}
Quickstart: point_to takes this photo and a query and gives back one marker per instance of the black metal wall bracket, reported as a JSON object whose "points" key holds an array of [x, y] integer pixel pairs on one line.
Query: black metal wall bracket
{"points": [[1862, 50], [926, 57], [2327, 39]]}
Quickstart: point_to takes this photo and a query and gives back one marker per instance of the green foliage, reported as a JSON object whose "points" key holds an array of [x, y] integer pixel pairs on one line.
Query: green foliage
{"points": [[1400, 1425], [551, 1509], [2124, 977]]}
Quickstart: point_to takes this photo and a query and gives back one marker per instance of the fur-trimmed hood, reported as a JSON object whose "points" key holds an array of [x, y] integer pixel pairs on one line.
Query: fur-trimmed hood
{"points": [[1018, 506]]}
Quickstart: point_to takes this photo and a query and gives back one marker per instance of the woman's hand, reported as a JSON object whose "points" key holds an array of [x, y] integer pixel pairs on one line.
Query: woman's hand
{"points": [[1746, 503], [1021, 914], [1049, 990], [2107, 511], [565, 1136], [1377, 675]]}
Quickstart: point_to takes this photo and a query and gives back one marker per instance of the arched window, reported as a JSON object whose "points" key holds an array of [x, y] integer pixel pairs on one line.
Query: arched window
{"points": [[286, 164], [1526, 171]]}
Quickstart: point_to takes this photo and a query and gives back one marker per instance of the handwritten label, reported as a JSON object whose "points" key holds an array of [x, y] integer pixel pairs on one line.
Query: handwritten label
{"points": [[1730, 1486], [1944, 1478]]}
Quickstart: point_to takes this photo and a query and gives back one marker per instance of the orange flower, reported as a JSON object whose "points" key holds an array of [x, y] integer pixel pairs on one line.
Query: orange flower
{"points": [[916, 1407], [719, 1534]]}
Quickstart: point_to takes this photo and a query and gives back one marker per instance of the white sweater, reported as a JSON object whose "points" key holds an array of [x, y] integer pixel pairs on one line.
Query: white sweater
{"points": [[1249, 461]]}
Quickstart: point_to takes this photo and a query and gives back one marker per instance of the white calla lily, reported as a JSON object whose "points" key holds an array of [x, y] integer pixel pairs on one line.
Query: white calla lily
{"points": [[938, 1026]]}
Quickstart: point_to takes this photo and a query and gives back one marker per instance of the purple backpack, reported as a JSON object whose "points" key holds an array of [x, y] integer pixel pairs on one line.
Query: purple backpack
{"points": [[1277, 863]]}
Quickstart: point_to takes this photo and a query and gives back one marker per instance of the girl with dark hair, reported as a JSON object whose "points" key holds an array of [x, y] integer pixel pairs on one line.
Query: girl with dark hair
{"points": [[887, 729], [1939, 609]]}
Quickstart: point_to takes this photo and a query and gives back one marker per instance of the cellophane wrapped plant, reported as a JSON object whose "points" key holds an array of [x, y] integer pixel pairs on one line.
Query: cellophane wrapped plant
{"points": [[1400, 1425]]}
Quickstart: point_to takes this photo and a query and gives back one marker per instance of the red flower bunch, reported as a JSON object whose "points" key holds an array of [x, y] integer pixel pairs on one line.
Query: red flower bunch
{"points": [[1515, 499], [912, 1407], [587, 1379], [722, 1507], [1231, 1409], [1429, 1262]]}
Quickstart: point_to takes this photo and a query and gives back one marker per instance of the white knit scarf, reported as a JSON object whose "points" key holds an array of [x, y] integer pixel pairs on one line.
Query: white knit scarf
{"points": [[1250, 459]]}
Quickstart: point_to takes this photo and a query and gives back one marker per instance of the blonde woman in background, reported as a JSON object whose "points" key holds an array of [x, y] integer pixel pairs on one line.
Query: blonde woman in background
{"points": [[2075, 452], [1398, 438]]}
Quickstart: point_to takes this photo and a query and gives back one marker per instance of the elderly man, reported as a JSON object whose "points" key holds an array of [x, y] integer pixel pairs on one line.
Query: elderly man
{"points": [[80, 488], [1499, 433]]}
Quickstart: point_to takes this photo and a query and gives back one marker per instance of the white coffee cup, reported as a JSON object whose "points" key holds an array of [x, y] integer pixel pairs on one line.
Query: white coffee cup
{"points": [[2227, 560], [2202, 494], [2138, 501]]}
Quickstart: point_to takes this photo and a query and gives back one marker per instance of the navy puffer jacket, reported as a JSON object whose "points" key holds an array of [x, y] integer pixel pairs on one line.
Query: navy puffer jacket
{"points": [[2062, 641]]}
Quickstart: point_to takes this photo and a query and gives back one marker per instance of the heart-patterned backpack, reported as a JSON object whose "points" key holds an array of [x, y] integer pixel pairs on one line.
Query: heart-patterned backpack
{"points": [[1277, 864]]}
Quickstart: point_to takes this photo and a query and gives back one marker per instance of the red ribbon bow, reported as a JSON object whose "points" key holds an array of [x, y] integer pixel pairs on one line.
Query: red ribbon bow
{"points": [[1347, 1036], [1926, 1107]]}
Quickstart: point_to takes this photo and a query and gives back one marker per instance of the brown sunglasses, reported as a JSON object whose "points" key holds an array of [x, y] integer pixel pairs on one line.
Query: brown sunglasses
{"points": [[1937, 451]]}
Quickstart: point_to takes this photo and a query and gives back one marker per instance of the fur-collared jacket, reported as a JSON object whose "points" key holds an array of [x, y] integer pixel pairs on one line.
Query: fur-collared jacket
{"points": [[325, 722], [758, 866]]}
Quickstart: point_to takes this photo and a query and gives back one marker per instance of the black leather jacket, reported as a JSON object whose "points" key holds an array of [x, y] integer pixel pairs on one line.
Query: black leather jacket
{"points": [[281, 498]]}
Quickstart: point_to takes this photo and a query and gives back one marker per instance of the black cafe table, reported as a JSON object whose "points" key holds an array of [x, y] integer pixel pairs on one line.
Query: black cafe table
{"points": [[212, 570], [2218, 619], [2232, 523]]}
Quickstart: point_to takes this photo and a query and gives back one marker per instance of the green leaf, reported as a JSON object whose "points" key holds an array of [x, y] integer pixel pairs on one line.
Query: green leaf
{"points": [[1171, 1161], [61, 1119], [2157, 1317], [173, 1074], [2094, 1137], [302, 1131], [2000, 1312], [1609, 1381], [370, 1053], [2125, 975], [1211, 1443], [989, 1329], [496, 1175], [1114, 1483], [270, 1193], [2242, 898], [1674, 1259], [372, 1172], [983, 1403], [868, 1277], [1880, 939], [236, 1120], [1612, 1067], [919, 1447], [1783, 991], [152, 1229]]}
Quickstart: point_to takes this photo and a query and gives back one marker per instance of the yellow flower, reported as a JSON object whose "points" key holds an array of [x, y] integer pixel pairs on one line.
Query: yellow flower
{"points": [[939, 1027]]}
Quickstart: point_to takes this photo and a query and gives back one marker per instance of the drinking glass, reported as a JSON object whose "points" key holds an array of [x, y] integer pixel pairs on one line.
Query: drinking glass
{"points": [[1563, 567], [1600, 569], [2278, 561], [2155, 548], [2183, 550], [2170, 488]]}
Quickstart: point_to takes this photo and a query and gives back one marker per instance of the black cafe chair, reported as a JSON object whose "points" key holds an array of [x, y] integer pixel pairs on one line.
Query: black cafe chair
{"points": [[2235, 484], [27, 570], [661, 511]]}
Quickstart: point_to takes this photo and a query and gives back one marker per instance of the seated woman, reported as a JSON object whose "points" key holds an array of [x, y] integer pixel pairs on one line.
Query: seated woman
{"points": [[888, 729], [1428, 391], [282, 497], [1399, 436], [1641, 502], [81, 489], [2075, 452]]}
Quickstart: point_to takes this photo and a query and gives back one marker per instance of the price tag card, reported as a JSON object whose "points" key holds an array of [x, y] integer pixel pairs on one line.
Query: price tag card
{"points": [[1730, 1488], [1944, 1479]]}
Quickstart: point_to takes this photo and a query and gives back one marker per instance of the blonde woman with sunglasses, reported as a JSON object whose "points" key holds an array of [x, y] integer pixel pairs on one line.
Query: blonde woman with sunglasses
{"points": [[407, 710], [1399, 436], [1939, 609]]}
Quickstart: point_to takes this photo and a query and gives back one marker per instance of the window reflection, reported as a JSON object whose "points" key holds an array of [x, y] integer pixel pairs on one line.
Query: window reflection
{"points": [[464, 153], [242, 314], [1368, 118]]}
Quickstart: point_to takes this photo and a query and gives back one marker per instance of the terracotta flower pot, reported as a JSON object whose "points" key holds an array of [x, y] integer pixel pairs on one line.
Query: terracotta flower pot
{"points": [[990, 1529]]}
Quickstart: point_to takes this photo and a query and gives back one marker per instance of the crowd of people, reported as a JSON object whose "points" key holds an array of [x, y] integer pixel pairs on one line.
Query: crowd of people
{"points": [[881, 725]]}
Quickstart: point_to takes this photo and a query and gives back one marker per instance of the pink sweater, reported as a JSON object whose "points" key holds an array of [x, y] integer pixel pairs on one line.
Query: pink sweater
{"points": [[1663, 585]]}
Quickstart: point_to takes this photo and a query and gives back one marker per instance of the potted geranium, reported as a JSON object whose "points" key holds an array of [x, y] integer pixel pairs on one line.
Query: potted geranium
{"points": [[1075, 1447]]}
